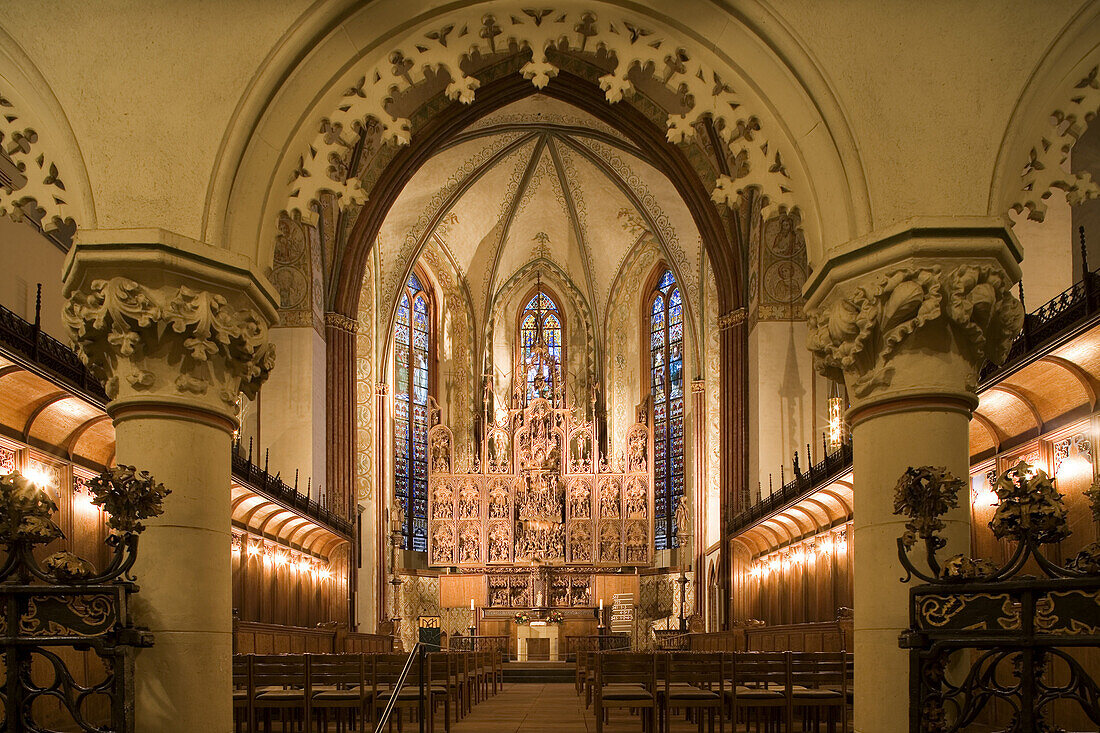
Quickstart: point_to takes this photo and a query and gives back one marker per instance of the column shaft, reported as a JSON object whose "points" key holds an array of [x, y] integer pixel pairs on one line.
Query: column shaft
{"points": [[184, 571], [885, 444]]}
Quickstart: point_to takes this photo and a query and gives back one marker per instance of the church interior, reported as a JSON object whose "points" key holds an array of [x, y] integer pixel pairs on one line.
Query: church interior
{"points": [[599, 366]]}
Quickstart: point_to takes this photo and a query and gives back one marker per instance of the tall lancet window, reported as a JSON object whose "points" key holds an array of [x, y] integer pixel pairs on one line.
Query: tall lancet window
{"points": [[411, 363], [541, 309], [666, 351]]}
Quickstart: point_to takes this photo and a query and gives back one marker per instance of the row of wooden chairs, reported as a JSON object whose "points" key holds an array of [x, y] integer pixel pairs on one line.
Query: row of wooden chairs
{"points": [[768, 690], [348, 692]]}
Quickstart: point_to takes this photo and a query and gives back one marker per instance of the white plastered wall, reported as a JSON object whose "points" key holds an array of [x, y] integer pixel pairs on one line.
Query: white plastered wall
{"points": [[28, 258], [786, 403], [292, 409]]}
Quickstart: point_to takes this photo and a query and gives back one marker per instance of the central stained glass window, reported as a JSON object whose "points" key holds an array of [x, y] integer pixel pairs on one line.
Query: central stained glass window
{"points": [[541, 308], [411, 357], [666, 350]]}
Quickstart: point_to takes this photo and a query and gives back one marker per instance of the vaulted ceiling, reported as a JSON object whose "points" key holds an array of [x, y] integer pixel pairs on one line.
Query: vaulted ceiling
{"points": [[538, 180]]}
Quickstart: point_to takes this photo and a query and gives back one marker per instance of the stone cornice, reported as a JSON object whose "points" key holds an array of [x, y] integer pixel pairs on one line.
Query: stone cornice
{"points": [[160, 248]]}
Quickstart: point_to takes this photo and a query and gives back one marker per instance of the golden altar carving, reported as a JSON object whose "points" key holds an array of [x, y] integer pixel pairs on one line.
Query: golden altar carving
{"points": [[536, 493]]}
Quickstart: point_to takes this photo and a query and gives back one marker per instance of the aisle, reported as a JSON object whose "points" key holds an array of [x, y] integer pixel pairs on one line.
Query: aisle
{"points": [[548, 708], [528, 708]]}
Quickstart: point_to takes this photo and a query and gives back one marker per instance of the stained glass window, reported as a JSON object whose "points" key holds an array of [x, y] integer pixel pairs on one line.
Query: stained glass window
{"points": [[666, 350], [411, 359], [542, 308]]}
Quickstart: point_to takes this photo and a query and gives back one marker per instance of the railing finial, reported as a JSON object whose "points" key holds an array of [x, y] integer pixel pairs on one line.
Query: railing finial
{"points": [[1084, 251], [38, 307]]}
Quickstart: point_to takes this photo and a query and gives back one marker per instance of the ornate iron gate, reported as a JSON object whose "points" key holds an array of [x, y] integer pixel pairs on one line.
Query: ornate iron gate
{"points": [[64, 602], [1013, 636]]}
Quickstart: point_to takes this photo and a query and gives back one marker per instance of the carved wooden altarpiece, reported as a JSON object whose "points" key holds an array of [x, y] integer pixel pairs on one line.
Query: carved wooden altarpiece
{"points": [[537, 495]]}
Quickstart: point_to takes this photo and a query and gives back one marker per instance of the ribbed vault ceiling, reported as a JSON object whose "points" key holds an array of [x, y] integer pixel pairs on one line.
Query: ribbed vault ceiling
{"points": [[538, 179]]}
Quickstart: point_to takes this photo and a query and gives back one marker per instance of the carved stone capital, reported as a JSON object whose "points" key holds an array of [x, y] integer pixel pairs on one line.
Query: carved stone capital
{"points": [[917, 311], [167, 322]]}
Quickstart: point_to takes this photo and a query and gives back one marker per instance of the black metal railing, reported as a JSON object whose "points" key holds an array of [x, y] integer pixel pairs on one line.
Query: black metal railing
{"points": [[259, 480], [36, 348], [821, 474], [981, 634], [496, 644], [1059, 317]]}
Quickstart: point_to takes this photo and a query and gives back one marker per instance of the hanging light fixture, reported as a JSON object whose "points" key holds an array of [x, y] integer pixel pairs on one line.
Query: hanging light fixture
{"points": [[837, 427]]}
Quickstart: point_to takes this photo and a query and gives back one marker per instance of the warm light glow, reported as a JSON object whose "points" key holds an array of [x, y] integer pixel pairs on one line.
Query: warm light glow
{"points": [[798, 556], [985, 498], [841, 544], [37, 476], [303, 565], [253, 550], [836, 423], [82, 504], [1073, 467]]}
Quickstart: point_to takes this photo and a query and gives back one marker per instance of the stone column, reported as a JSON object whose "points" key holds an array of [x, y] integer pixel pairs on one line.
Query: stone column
{"points": [[176, 330], [906, 318]]}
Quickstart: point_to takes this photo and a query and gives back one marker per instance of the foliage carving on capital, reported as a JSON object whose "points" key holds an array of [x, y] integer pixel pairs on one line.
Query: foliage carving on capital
{"points": [[860, 334], [980, 302], [123, 329]]}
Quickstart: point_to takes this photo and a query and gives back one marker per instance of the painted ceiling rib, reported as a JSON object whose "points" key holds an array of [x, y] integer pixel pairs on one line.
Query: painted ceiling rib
{"points": [[455, 196], [551, 128], [613, 175], [509, 217], [578, 231]]}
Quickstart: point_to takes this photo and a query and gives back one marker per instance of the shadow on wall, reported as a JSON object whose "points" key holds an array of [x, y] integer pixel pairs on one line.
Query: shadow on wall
{"points": [[792, 393]]}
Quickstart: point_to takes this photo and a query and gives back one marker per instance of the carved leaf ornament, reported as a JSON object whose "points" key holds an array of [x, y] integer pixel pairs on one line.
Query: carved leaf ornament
{"points": [[861, 333], [119, 319], [628, 48]]}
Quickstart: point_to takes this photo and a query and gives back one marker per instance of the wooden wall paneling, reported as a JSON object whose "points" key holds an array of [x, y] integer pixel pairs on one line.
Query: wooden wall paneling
{"points": [[456, 590]]}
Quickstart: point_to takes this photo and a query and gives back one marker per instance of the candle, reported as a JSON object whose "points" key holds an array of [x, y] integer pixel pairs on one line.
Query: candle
{"points": [[601, 604], [471, 604]]}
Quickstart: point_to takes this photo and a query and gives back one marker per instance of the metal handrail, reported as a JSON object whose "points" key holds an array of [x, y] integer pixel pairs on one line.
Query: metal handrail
{"points": [[418, 652]]}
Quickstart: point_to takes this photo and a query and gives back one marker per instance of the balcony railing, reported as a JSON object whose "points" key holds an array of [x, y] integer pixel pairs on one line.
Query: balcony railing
{"points": [[42, 352], [819, 475], [273, 487], [1057, 319]]}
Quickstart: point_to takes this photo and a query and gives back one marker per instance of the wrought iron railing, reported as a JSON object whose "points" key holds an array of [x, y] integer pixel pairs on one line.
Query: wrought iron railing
{"points": [[819, 475], [273, 487], [1017, 638], [1058, 318], [64, 602], [497, 644], [39, 350]]}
